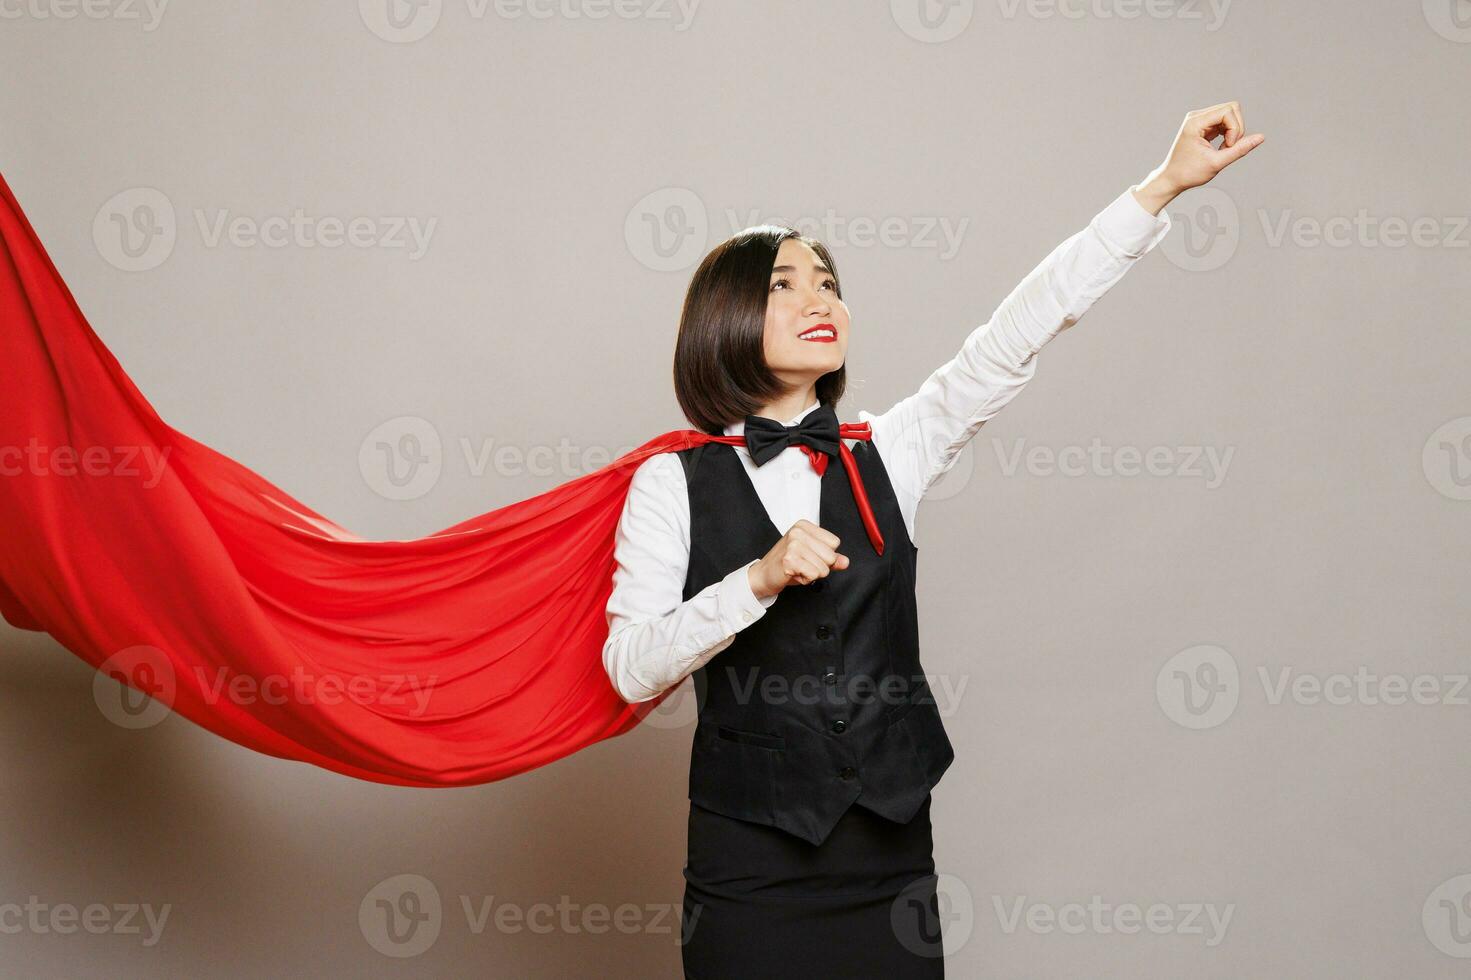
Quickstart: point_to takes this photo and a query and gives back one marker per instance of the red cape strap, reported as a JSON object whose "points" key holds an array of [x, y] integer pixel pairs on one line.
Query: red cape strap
{"points": [[861, 431]]}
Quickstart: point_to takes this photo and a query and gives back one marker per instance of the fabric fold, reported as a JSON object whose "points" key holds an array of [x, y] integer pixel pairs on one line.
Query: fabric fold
{"points": [[459, 658]]}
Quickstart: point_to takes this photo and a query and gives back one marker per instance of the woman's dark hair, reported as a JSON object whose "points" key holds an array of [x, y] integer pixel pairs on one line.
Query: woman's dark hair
{"points": [[720, 372]]}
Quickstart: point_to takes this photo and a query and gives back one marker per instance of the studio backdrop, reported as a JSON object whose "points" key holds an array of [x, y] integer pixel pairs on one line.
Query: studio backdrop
{"points": [[400, 284]]}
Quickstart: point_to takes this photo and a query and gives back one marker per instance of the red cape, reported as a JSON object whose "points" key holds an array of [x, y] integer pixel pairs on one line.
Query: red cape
{"points": [[254, 616]]}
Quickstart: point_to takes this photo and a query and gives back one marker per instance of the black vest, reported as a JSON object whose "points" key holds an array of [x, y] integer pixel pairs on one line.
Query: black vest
{"points": [[820, 703]]}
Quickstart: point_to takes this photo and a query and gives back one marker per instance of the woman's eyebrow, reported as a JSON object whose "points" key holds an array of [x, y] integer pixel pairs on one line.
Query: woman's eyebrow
{"points": [[820, 269]]}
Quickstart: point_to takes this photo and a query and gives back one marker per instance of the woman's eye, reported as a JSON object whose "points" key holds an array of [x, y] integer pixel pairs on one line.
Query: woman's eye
{"points": [[826, 282]]}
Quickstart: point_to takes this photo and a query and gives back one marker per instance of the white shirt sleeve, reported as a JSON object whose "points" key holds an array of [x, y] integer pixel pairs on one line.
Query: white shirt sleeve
{"points": [[921, 436], [654, 638]]}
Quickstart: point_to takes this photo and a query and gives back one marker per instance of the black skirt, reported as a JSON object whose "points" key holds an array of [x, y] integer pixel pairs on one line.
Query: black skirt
{"points": [[762, 903]]}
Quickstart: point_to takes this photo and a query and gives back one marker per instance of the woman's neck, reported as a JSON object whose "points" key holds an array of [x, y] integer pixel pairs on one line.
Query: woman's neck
{"points": [[785, 409]]}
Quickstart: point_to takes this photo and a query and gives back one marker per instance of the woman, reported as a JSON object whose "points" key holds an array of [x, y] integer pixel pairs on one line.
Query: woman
{"points": [[817, 744]]}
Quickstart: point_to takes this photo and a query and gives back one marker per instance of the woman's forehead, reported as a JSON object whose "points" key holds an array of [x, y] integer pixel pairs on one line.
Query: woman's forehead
{"points": [[797, 253]]}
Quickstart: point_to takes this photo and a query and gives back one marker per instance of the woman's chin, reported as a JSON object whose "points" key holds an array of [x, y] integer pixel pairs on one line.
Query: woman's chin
{"points": [[824, 361], [812, 362]]}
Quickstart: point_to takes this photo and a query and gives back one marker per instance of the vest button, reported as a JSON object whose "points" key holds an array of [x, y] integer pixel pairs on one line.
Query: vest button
{"points": [[823, 632], [817, 586], [847, 772], [829, 678], [840, 726]]}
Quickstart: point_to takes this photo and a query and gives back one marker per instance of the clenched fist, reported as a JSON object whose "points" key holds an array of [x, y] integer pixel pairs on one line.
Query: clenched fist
{"points": [[804, 554]]}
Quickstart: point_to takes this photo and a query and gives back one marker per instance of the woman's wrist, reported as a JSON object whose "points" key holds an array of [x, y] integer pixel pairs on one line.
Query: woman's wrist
{"points": [[753, 576], [1154, 192]]}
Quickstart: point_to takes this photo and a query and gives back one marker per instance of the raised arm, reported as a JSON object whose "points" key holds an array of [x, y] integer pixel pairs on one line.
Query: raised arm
{"points": [[920, 437], [655, 638]]}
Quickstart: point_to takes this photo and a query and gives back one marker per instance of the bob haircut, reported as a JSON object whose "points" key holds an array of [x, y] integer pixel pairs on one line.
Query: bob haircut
{"points": [[720, 372]]}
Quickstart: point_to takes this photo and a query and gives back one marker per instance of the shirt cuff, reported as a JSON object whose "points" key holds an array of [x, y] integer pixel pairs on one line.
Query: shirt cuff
{"points": [[1128, 227], [739, 606]]}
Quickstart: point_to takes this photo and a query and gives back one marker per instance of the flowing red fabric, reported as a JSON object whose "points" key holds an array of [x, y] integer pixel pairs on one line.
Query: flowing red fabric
{"points": [[463, 657]]}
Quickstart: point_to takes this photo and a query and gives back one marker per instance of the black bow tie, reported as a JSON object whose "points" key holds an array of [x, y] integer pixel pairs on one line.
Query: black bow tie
{"points": [[765, 438]]}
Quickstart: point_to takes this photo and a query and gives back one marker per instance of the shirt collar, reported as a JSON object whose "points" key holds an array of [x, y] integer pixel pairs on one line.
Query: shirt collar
{"points": [[739, 428]]}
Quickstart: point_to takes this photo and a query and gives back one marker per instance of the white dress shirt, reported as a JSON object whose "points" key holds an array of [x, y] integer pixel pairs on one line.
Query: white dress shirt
{"points": [[655, 639]]}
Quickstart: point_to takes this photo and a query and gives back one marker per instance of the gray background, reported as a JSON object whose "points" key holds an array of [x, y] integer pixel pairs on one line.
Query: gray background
{"points": [[1334, 374]]}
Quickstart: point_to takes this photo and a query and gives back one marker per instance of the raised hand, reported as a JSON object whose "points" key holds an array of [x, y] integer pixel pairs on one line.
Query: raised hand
{"points": [[1192, 160]]}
